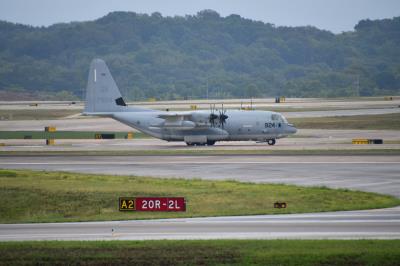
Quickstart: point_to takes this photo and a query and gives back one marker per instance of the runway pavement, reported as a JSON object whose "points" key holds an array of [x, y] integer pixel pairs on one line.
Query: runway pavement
{"points": [[376, 224], [368, 173]]}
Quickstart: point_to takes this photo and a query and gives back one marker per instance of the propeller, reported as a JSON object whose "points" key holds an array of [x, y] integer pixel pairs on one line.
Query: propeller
{"points": [[222, 116], [213, 116]]}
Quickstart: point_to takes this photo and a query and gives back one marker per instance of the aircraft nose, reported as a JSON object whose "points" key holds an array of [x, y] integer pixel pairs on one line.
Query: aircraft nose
{"points": [[291, 129]]}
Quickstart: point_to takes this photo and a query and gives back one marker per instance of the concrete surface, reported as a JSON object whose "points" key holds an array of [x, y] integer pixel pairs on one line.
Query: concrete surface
{"points": [[305, 139], [369, 224], [368, 173]]}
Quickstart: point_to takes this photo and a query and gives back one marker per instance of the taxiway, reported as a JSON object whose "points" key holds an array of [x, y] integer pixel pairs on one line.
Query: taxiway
{"points": [[367, 173], [368, 224]]}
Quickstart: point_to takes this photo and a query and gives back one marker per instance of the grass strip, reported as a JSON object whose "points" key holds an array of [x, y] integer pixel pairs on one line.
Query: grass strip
{"points": [[40, 196], [203, 252], [65, 134], [36, 114], [374, 122]]}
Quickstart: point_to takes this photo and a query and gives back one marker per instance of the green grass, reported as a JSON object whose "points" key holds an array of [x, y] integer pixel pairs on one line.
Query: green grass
{"points": [[391, 142], [378, 122], [39, 196], [36, 114], [200, 252], [64, 134]]}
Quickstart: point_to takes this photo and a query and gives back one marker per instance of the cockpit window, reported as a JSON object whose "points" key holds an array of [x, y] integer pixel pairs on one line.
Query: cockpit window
{"points": [[275, 117], [278, 118]]}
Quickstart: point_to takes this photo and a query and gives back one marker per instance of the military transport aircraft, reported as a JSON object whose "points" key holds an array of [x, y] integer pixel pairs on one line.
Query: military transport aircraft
{"points": [[202, 127]]}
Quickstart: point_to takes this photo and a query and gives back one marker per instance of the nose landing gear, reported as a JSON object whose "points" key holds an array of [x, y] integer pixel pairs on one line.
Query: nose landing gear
{"points": [[271, 142]]}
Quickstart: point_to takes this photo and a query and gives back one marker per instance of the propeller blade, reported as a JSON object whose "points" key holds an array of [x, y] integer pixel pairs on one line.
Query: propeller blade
{"points": [[222, 117], [212, 116]]}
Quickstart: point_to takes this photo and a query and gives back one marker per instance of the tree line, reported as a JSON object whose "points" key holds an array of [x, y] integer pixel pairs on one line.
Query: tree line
{"points": [[201, 55]]}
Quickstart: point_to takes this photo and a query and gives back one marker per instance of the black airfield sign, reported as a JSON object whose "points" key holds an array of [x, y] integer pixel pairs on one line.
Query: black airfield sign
{"points": [[127, 204]]}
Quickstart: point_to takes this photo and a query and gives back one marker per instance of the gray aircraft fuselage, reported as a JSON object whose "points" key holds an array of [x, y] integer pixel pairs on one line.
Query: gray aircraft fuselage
{"points": [[103, 98], [239, 126]]}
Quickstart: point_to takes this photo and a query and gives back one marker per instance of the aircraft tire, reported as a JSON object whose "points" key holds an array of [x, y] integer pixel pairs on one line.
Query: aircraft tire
{"points": [[271, 142], [196, 144], [210, 142]]}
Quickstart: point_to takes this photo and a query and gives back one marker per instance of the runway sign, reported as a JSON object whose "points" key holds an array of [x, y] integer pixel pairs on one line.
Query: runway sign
{"points": [[127, 204], [367, 141], [154, 204]]}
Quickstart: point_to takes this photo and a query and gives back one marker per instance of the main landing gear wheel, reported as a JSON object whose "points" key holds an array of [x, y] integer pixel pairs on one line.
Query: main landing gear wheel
{"points": [[198, 143], [271, 142], [210, 142]]}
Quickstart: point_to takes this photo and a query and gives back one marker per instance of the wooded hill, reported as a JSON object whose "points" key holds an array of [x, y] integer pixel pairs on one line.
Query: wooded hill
{"points": [[180, 57]]}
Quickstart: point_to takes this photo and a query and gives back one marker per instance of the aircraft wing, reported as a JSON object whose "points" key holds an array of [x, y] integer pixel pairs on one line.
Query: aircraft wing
{"points": [[176, 116], [181, 120]]}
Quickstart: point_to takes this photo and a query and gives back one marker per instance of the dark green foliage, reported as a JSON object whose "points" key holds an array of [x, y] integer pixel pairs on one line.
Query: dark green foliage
{"points": [[201, 252], [178, 57]]}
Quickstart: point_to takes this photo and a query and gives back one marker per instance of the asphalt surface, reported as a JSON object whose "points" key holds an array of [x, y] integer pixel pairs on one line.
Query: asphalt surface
{"points": [[368, 173], [305, 139], [370, 224]]}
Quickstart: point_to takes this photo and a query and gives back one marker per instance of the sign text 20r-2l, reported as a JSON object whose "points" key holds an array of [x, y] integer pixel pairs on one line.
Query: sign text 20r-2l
{"points": [[161, 204]]}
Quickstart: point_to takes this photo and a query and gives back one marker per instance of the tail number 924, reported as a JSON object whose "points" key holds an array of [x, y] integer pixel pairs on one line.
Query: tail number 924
{"points": [[272, 125]]}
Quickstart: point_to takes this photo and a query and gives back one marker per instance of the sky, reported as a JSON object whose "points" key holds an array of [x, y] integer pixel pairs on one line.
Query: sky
{"points": [[333, 15]]}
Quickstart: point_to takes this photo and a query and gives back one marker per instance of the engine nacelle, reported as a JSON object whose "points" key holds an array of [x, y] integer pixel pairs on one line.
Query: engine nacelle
{"points": [[178, 125]]}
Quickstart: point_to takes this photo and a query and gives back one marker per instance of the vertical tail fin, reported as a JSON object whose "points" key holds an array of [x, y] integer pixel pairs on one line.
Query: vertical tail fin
{"points": [[102, 93]]}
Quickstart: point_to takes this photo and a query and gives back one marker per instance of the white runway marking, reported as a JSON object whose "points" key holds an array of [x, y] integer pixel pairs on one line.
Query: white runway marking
{"points": [[184, 162]]}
